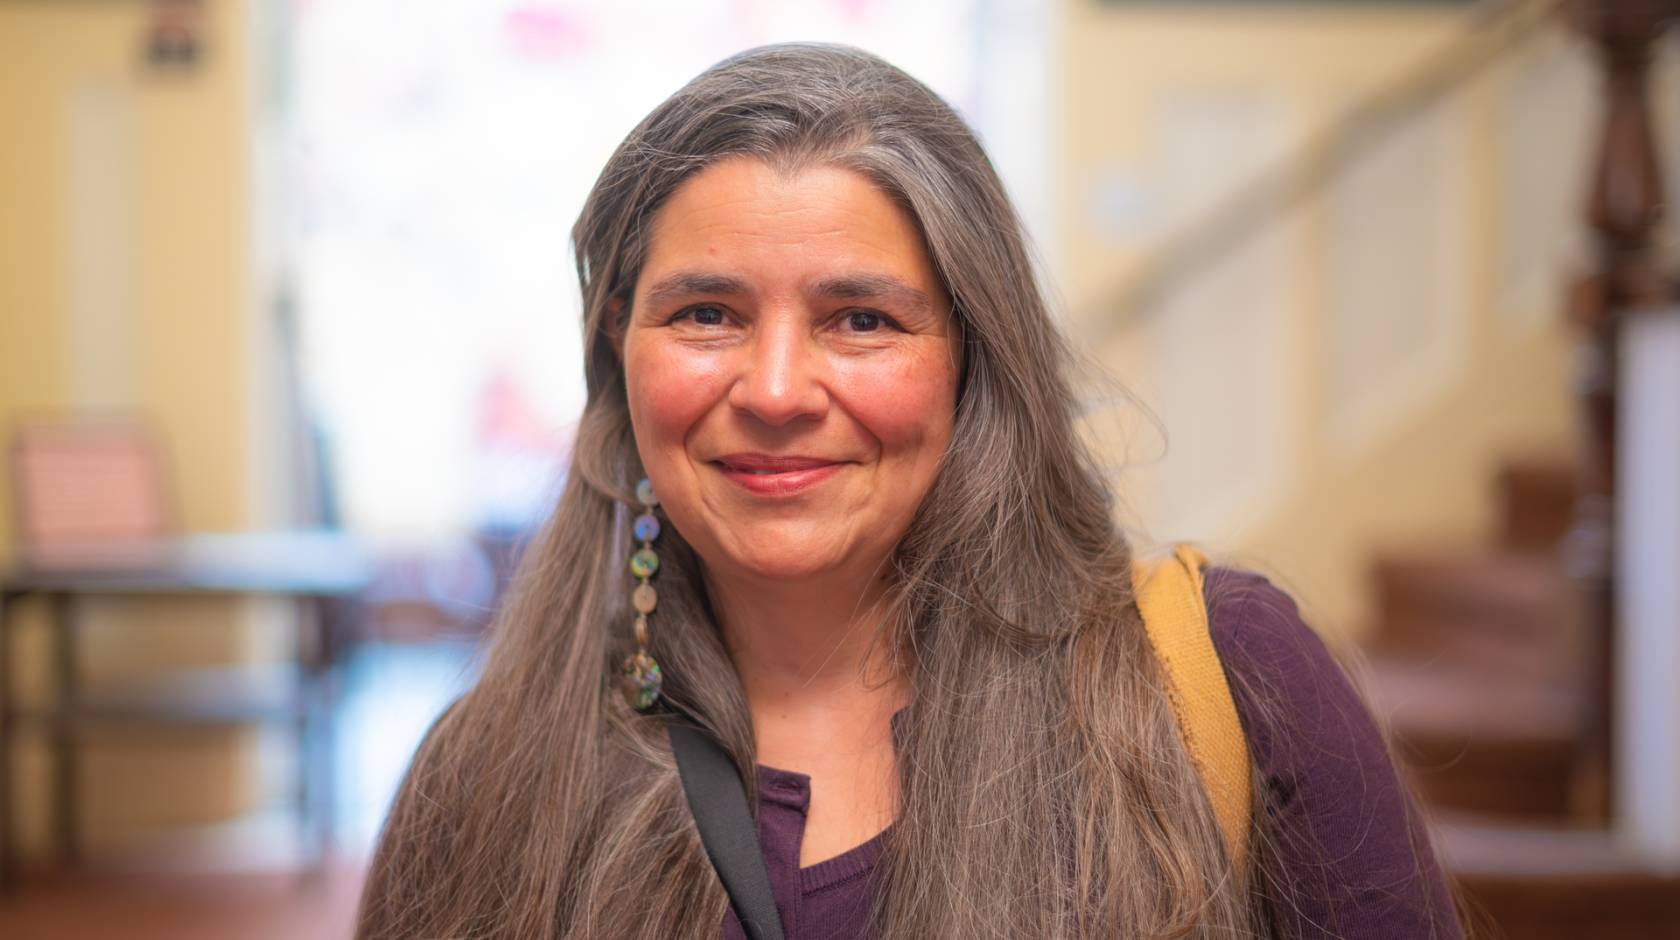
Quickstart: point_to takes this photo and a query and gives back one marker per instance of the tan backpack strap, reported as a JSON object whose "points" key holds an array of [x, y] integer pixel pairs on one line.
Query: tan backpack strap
{"points": [[1169, 595]]}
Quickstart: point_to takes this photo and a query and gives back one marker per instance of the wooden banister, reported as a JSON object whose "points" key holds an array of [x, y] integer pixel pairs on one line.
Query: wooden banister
{"points": [[1624, 210], [1232, 221]]}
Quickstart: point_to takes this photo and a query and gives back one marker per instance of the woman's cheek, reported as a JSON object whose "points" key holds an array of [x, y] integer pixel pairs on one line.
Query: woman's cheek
{"points": [[909, 402], [670, 390]]}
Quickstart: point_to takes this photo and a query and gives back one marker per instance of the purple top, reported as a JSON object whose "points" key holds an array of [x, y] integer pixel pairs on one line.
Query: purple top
{"points": [[1345, 844]]}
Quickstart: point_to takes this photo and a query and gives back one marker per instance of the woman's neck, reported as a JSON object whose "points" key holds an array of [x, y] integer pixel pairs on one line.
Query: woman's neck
{"points": [[811, 662]]}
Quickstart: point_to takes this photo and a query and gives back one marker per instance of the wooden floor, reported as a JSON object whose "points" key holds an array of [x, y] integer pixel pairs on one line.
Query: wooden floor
{"points": [[268, 906], [1507, 905], [232, 880]]}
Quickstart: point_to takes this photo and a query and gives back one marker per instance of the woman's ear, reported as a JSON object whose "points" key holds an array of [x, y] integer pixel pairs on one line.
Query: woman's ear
{"points": [[614, 324]]}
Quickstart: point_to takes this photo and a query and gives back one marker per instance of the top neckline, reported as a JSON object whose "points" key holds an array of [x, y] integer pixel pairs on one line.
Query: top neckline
{"points": [[791, 790]]}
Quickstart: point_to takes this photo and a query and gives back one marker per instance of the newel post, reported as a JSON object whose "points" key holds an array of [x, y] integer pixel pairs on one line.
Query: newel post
{"points": [[1626, 281]]}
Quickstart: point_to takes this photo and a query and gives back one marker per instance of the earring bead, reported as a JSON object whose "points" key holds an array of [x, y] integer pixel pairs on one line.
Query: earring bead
{"points": [[641, 678]]}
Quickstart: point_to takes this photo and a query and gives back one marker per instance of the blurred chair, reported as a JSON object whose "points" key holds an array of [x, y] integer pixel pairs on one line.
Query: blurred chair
{"points": [[88, 490], [94, 519]]}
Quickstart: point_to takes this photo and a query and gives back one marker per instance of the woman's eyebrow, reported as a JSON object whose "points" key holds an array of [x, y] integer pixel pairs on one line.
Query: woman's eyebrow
{"points": [[689, 283], [870, 287], [839, 287]]}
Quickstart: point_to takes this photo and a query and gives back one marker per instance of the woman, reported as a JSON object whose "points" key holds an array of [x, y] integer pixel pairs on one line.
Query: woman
{"points": [[882, 574]]}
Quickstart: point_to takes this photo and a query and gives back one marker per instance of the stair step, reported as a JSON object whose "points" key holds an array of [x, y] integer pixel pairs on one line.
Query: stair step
{"points": [[1504, 612], [1537, 502], [1555, 882], [1481, 742]]}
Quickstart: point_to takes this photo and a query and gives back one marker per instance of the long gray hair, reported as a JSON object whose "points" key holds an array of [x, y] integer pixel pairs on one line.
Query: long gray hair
{"points": [[1044, 790]]}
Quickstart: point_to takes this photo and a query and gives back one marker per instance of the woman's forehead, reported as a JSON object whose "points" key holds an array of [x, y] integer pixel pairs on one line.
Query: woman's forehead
{"points": [[824, 225]]}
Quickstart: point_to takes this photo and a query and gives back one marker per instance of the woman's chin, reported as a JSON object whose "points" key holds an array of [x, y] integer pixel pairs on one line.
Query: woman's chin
{"points": [[780, 559], [793, 566]]}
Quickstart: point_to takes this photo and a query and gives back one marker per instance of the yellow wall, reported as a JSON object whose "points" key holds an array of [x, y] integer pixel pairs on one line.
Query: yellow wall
{"points": [[1122, 61], [189, 226], [1426, 477], [184, 248]]}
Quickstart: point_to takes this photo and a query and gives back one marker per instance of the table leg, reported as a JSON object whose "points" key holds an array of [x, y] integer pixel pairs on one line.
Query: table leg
{"points": [[316, 659], [8, 856], [66, 789], [332, 677]]}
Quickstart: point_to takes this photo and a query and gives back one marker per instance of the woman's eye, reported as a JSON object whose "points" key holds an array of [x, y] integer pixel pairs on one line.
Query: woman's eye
{"points": [[863, 321], [704, 315]]}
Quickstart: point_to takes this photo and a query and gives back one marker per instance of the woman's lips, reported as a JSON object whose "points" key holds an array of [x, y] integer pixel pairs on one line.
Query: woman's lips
{"points": [[770, 475]]}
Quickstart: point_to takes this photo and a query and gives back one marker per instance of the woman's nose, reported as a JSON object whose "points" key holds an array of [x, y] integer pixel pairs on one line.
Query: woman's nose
{"points": [[780, 375]]}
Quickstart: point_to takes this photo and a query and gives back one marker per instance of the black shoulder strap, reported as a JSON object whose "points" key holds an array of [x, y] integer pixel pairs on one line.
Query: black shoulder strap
{"points": [[719, 803]]}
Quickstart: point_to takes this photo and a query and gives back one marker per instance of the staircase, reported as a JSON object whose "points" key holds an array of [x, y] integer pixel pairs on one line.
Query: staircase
{"points": [[1494, 665], [1488, 654], [1476, 664], [1477, 658]]}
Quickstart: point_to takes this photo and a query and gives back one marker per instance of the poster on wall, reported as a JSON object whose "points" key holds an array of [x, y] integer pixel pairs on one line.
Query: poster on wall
{"points": [[174, 34]]}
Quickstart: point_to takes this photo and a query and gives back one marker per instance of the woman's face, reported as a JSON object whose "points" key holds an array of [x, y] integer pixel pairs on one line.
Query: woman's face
{"points": [[791, 363]]}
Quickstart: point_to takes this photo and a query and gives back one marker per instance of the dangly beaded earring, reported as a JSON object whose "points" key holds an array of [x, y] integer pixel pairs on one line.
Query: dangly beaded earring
{"points": [[642, 677]]}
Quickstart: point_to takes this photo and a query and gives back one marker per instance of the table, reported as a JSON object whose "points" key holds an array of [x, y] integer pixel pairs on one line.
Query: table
{"points": [[313, 568]]}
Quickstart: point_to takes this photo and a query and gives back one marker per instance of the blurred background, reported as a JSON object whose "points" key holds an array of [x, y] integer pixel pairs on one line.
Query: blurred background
{"points": [[1378, 298]]}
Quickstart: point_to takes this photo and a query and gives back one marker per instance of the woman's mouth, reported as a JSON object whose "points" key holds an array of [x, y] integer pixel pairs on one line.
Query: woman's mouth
{"points": [[776, 475]]}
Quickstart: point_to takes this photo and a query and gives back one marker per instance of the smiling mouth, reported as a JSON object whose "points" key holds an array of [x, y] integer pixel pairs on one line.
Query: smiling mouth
{"points": [[770, 475], [768, 464]]}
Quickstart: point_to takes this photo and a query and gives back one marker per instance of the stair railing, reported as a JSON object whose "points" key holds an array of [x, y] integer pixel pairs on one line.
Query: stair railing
{"points": [[1500, 28], [1627, 278]]}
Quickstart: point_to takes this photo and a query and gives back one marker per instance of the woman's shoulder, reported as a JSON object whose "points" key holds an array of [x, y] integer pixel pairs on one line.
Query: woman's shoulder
{"points": [[1347, 844], [1268, 649], [1306, 723]]}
